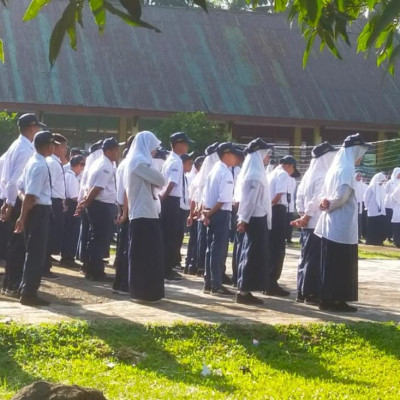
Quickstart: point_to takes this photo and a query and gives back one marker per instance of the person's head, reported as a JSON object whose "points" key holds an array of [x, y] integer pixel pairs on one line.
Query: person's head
{"points": [[129, 142], [95, 146], [358, 177], [357, 146], [180, 143], [29, 125], [289, 164], [75, 151], [263, 147], [60, 148], [198, 162], [187, 161], [229, 154], [77, 164], [110, 148], [44, 143]]}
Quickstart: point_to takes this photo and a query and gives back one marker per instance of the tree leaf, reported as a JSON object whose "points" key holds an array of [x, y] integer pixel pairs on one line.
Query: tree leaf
{"points": [[4, 3], [64, 24], [128, 18], [33, 9], [314, 9], [395, 54], [99, 13], [2, 59], [202, 4], [78, 15], [280, 5], [389, 14], [308, 48]]}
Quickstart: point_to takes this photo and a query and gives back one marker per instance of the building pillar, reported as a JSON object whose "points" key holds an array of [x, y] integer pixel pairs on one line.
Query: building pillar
{"points": [[297, 142], [123, 129], [317, 135], [380, 147]]}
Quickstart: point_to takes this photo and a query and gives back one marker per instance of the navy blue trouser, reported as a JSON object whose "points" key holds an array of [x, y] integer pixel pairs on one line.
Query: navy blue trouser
{"points": [[201, 245], [100, 216], [217, 248], [36, 242], [191, 258], [71, 232]]}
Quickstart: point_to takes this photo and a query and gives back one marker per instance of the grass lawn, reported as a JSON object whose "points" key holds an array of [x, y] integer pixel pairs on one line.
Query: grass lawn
{"points": [[128, 361]]}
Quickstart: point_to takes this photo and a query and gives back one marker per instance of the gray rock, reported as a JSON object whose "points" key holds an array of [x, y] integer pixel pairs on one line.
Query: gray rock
{"points": [[56, 391]]}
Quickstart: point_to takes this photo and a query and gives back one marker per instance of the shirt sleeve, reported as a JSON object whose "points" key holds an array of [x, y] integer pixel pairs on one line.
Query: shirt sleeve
{"points": [[225, 194], [173, 173], [312, 206], [36, 180], [247, 204], [102, 177], [281, 184], [150, 174], [18, 162], [341, 196]]}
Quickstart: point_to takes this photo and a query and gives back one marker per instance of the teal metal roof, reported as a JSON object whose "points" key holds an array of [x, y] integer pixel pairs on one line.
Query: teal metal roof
{"points": [[228, 64]]}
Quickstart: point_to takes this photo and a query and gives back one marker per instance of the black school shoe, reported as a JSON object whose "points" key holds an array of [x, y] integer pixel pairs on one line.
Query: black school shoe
{"points": [[33, 301], [222, 291], [277, 292], [247, 298], [339, 306], [99, 278]]}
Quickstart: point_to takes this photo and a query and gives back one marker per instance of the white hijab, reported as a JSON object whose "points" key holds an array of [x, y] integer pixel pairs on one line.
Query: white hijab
{"points": [[252, 170], [378, 190], [200, 179], [342, 170], [140, 153]]}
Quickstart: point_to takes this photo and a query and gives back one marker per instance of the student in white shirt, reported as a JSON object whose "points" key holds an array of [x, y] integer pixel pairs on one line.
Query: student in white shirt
{"points": [[170, 200], [72, 222], [100, 203], [217, 208], [374, 200], [184, 206], [57, 174], [34, 221], [146, 261], [307, 204], [337, 226], [360, 189], [15, 161], [278, 181], [253, 213]]}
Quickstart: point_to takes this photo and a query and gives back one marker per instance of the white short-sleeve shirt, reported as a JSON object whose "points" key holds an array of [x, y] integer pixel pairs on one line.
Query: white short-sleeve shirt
{"points": [[102, 174], [173, 172], [57, 177], [219, 187], [36, 179], [278, 182], [71, 185]]}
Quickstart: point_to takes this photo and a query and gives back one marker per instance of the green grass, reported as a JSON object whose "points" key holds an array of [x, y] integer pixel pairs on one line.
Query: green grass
{"points": [[129, 361]]}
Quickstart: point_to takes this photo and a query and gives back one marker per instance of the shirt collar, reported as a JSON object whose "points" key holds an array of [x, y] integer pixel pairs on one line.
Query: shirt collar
{"points": [[23, 138], [107, 160], [56, 158], [39, 157]]}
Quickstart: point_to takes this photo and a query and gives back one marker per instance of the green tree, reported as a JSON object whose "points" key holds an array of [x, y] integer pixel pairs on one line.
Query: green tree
{"points": [[8, 130], [329, 20], [200, 129]]}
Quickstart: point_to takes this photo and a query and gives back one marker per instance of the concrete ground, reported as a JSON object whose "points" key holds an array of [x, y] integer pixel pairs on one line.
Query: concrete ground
{"points": [[73, 297]]}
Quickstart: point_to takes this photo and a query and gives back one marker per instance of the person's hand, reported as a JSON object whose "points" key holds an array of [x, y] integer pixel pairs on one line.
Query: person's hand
{"points": [[19, 226], [324, 205], [65, 207], [241, 227], [121, 218], [189, 221], [205, 218], [301, 222], [79, 208], [6, 212]]}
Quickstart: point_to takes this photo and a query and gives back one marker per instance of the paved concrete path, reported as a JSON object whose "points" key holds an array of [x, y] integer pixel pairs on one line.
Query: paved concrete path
{"points": [[74, 297]]}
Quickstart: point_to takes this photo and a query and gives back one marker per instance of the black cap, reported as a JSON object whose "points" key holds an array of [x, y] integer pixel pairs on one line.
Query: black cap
{"points": [[291, 161], [161, 153], [257, 144], [228, 147], [75, 151], [76, 160], [43, 137], [110, 143], [26, 120], [186, 157], [321, 149], [180, 137], [212, 148], [198, 162], [95, 146], [355, 140]]}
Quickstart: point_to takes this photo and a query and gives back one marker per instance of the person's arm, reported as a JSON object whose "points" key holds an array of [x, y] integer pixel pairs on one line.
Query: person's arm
{"points": [[247, 204], [150, 174], [340, 198], [276, 199], [167, 191], [27, 205], [93, 193]]}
